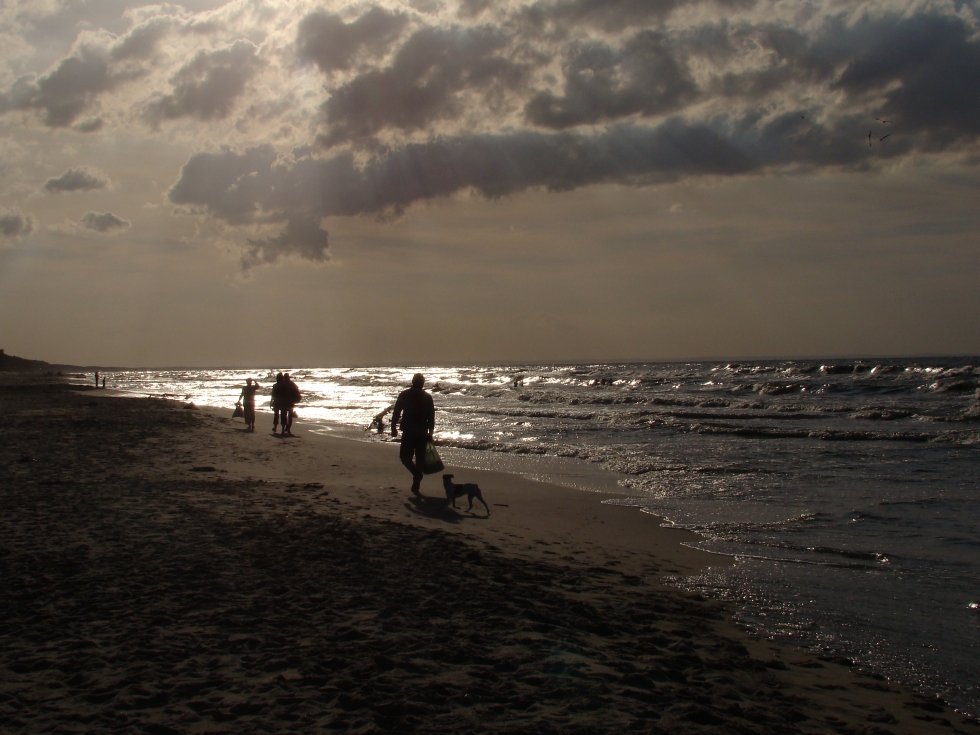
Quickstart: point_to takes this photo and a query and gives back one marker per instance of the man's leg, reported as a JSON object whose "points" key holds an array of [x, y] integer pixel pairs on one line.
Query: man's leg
{"points": [[275, 420], [419, 461], [407, 450]]}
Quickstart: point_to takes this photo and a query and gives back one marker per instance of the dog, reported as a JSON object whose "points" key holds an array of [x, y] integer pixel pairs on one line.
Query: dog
{"points": [[469, 489]]}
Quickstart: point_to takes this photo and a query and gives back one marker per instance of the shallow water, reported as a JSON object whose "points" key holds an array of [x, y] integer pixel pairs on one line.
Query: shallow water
{"points": [[847, 490]]}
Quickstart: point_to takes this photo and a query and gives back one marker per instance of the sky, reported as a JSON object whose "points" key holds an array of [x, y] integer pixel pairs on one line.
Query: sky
{"points": [[263, 183]]}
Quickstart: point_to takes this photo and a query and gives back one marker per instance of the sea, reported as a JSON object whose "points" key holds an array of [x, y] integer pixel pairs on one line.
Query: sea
{"points": [[847, 491]]}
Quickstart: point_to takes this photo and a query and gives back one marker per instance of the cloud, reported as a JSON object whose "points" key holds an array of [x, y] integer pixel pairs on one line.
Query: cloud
{"points": [[103, 222], [15, 225], [226, 183], [258, 186], [325, 39], [99, 63], [390, 105], [207, 86], [141, 42], [77, 179], [926, 68], [422, 84], [608, 15], [303, 237], [89, 126], [603, 83]]}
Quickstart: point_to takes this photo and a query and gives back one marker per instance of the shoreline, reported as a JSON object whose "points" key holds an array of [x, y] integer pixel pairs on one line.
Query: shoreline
{"points": [[290, 519]]}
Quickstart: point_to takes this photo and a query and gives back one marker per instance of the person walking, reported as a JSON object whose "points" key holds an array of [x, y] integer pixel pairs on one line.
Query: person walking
{"points": [[288, 400], [276, 403], [248, 394], [415, 413]]}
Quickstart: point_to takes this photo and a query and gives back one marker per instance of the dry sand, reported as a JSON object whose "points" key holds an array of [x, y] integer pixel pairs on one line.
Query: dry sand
{"points": [[164, 571]]}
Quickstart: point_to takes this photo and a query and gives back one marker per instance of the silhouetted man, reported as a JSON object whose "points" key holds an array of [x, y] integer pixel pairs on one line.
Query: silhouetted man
{"points": [[275, 403], [288, 400], [418, 420]]}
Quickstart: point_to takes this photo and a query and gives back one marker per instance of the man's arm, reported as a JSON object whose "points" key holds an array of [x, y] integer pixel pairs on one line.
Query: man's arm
{"points": [[396, 414], [430, 419]]}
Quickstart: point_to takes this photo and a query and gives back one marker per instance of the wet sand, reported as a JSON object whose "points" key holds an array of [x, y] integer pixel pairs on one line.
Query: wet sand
{"points": [[164, 571]]}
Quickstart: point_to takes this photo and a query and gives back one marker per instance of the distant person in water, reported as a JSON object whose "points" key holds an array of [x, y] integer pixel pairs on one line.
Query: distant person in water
{"points": [[247, 397], [417, 415], [96, 378], [289, 398], [276, 403], [378, 422], [103, 381]]}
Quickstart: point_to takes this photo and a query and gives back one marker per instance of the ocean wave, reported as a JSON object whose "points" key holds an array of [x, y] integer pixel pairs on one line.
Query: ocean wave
{"points": [[874, 557], [728, 527], [954, 386], [533, 414], [590, 454], [831, 434], [880, 414], [639, 465]]}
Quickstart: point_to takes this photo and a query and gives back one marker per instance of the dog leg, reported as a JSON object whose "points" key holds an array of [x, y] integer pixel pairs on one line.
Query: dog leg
{"points": [[479, 496]]}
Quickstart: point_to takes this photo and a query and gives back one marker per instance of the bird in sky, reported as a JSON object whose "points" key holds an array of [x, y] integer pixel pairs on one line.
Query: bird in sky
{"points": [[886, 122], [883, 137], [869, 137]]}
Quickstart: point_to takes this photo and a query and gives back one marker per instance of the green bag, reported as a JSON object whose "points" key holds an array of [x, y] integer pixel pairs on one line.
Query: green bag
{"points": [[431, 463]]}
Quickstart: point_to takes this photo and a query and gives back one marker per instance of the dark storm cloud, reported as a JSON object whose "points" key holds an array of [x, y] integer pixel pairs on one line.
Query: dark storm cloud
{"points": [[15, 225], [208, 85], [103, 222], [602, 83], [609, 15], [256, 186], [422, 83], [77, 179], [227, 184], [302, 237], [325, 39], [930, 67]]}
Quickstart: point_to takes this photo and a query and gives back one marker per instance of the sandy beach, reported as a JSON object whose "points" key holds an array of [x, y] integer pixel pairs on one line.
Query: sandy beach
{"points": [[165, 571]]}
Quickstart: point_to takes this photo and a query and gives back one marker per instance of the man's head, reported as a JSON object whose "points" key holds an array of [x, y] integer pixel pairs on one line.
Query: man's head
{"points": [[285, 376], [248, 381], [278, 377], [418, 380]]}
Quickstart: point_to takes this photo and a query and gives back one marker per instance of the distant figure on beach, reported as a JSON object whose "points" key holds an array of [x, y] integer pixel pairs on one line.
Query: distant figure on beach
{"points": [[288, 399], [378, 422], [274, 402], [417, 413], [96, 378], [248, 394]]}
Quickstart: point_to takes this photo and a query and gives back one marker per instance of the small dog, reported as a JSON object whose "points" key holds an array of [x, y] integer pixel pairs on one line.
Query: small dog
{"points": [[470, 489]]}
